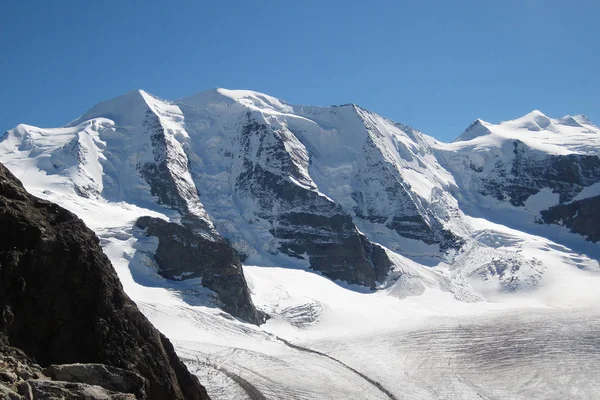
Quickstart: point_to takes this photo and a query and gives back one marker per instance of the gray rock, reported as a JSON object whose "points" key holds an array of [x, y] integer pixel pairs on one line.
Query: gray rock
{"points": [[111, 378], [164, 184], [8, 394], [8, 376], [24, 389], [25, 373], [46, 390]]}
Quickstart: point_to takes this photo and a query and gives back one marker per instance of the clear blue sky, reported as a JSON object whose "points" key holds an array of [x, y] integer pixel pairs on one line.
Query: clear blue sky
{"points": [[435, 65]]}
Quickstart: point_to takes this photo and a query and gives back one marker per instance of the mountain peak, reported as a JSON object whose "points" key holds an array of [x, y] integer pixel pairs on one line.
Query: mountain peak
{"points": [[582, 119], [476, 129], [569, 120], [533, 121], [123, 110], [535, 114], [248, 98]]}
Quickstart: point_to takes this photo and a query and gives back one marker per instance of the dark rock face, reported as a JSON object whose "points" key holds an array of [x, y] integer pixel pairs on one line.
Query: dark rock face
{"points": [[334, 247], [532, 171], [61, 301], [183, 254], [306, 223], [157, 174], [163, 182], [582, 217]]}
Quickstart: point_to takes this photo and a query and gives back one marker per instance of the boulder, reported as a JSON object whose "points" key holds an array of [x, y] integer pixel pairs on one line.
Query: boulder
{"points": [[46, 390], [111, 378]]}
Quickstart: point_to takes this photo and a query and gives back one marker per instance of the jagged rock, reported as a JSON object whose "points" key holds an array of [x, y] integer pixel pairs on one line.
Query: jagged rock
{"points": [[517, 171], [25, 374], [111, 378], [8, 376], [47, 390], [183, 254], [581, 216], [66, 302], [24, 389], [9, 394], [306, 223], [532, 171]]}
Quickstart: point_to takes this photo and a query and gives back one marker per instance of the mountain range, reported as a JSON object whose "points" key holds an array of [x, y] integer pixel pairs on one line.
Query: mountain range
{"points": [[223, 212]]}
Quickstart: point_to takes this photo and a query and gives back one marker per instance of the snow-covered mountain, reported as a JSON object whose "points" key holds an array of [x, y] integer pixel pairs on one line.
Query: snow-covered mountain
{"points": [[182, 193], [535, 163]]}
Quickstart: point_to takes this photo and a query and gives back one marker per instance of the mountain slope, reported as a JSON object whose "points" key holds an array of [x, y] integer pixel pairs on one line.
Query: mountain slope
{"points": [[519, 161], [135, 157]]}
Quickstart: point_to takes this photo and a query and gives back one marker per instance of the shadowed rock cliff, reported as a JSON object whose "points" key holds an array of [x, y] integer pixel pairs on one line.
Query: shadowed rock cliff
{"points": [[61, 300]]}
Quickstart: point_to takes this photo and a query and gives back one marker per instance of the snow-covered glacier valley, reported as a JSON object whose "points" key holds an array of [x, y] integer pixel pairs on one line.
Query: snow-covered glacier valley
{"points": [[390, 265]]}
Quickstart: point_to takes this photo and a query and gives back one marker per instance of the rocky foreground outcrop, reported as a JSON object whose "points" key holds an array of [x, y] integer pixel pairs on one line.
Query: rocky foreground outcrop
{"points": [[61, 302]]}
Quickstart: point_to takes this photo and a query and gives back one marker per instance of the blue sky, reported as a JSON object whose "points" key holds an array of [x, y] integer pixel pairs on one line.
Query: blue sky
{"points": [[435, 65]]}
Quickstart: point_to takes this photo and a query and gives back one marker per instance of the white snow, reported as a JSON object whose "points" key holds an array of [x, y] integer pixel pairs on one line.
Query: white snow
{"points": [[554, 136], [589, 191], [542, 200]]}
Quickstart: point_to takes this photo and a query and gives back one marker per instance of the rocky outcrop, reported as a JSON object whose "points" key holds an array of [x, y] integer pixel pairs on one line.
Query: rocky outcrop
{"points": [[22, 379], [111, 378], [61, 301], [184, 254], [532, 171], [307, 224], [44, 389], [581, 216]]}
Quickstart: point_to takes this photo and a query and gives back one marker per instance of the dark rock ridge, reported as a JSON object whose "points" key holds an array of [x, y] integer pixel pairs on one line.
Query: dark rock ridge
{"points": [[184, 254], [307, 224], [581, 216], [164, 184], [61, 301], [533, 170]]}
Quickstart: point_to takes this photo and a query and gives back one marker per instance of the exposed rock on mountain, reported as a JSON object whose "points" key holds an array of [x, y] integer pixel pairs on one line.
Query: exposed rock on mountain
{"points": [[580, 216], [62, 301], [306, 223], [532, 171], [515, 160], [183, 254]]}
